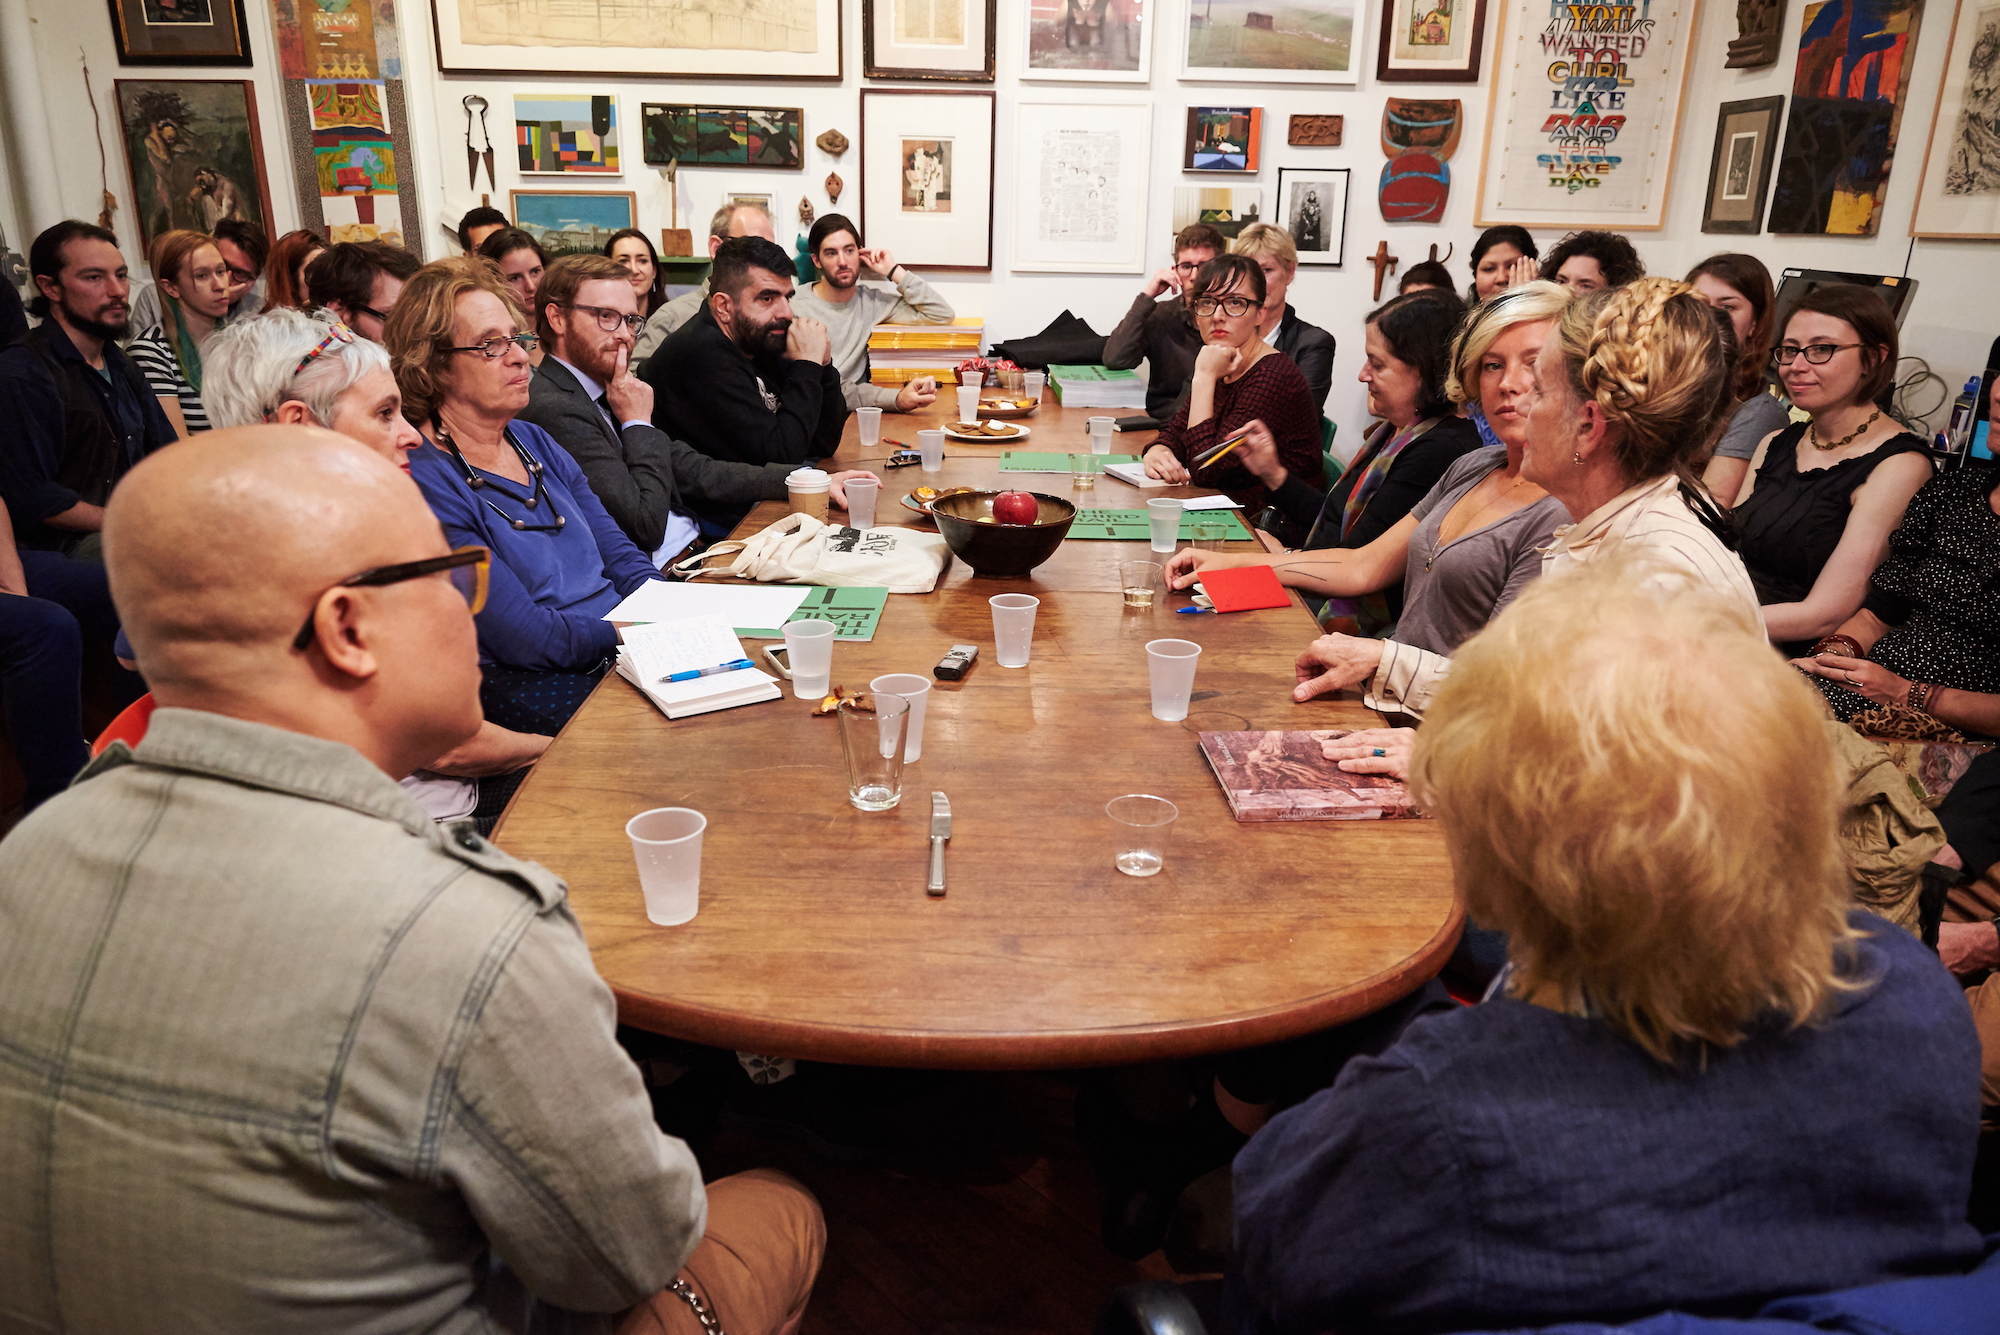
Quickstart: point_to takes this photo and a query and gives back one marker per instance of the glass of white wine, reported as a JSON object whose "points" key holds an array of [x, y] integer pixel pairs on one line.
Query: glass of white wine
{"points": [[1139, 580]]}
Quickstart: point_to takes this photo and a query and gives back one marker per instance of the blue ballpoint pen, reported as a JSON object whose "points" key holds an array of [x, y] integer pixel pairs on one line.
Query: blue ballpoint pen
{"points": [[709, 671]]}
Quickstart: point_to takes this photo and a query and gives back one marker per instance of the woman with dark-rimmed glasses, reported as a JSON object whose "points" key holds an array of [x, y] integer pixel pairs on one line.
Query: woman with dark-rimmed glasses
{"points": [[559, 560]]}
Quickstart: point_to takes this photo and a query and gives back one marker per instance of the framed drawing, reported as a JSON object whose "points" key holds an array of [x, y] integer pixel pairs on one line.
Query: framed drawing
{"points": [[195, 153], [567, 134], [1739, 171], [1080, 187], [723, 136], [926, 168], [1222, 139], [681, 39], [1256, 41], [1430, 41], [179, 32], [1228, 209], [1576, 139], [1312, 206], [1959, 195], [1109, 42], [946, 40], [573, 222], [1852, 81]]}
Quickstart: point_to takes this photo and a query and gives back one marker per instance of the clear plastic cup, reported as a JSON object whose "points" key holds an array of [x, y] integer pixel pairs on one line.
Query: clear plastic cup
{"points": [[870, 420], [968, 403], [810, 646], [1170, 664], [872, 729], [1013, 628], [1033, 382], [1100, 433], [1083, 471], [1210, 534], [930, 444], [861, 494], [1140, 581], [1141, 825], [915, 689], [666, 843], [1165, 518], [972, 378]]}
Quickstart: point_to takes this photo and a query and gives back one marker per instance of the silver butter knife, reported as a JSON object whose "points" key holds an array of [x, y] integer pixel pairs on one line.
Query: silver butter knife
{"points": [[940, 831]]}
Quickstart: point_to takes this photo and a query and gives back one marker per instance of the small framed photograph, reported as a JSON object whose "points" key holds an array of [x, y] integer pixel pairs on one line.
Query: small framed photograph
{"points": [[573, 222], [950, 41], [1227, 208], [1312, 206], [1255, 41], [1739, 176], [1430, 41], [926, 167], [1088, 41], [1223, 139], [178, 32], [704, 136], [567, 134], [1080, 186]]}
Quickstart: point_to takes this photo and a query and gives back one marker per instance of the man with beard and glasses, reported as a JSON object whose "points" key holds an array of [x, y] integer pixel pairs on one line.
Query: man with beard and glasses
{"points": [[744, 380], [851, 311], [585, 394], [732, 219]]}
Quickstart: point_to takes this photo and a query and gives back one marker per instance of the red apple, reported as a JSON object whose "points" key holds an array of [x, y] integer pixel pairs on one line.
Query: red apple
{"points": [[1016, 507]]}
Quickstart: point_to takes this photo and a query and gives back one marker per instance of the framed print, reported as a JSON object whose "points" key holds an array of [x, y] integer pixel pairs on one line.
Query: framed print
{"points": [[179, 32], [573, 222], [1848, 94], [926, 168], [1959, 195], [1088, 41], [1256, 41], [1430, 41], [567, 134], [946, 40], [1577, 139], [1222, 139], [1739, 170], [1312, 206], [771, 137], [195, 153], [1080, 187], [1228, 209], [680, 39]]}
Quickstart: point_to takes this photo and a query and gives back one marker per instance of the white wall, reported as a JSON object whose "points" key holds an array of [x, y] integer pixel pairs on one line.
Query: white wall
{"points": [[1955, 317]]}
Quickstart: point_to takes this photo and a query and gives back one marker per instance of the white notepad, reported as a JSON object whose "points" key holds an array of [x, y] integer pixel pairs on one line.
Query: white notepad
{"points": [[1134, 474], [658, 649]]}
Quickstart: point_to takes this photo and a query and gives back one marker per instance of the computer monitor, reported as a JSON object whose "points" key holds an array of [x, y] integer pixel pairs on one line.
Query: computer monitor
{"points": [[1795, 283]]}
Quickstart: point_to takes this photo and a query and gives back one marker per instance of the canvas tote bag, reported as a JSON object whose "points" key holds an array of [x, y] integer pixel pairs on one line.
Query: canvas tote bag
{"points": [[799, 549]]}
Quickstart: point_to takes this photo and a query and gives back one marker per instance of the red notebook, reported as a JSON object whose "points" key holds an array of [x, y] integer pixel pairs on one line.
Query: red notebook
{"points": [[1244, 588]]}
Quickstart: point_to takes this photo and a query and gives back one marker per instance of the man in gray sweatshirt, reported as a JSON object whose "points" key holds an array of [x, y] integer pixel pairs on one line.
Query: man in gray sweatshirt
{"points": [[850, 311]]}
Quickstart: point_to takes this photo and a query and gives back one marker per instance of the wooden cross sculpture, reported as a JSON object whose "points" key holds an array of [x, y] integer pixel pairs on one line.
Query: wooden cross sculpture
{"points": [[1384, 262]]}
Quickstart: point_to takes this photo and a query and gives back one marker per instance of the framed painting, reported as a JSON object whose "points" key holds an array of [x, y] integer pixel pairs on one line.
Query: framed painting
{"points": [[946, 40], [195, 152], [1222, 139], [1088, 41], [179, 32], [926, 168], [1848, 94], [1080, 187], [573, 222], [771, 137], [1312, 206], [566, 134], [1228, 209], [1258, 41], [1739, 170], [1959, 195], [679, 39], [1430, 41], [1576, 138]]}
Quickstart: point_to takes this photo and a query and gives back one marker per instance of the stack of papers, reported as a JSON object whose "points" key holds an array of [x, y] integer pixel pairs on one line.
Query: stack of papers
{"points": [[898, 353], [1096, 387], [757, 611], [658, 650]]}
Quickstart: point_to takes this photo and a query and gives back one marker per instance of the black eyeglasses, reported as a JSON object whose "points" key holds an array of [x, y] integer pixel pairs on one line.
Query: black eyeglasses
{"points": [[242, 276], [1819, 354], [468, 567], [608, 320], [383, 316], [1227, 305], [1187, 266], [494, 348]]}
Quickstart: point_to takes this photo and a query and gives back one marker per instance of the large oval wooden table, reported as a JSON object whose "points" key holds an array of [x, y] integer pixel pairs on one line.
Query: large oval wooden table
{"points": [[815, 937]]}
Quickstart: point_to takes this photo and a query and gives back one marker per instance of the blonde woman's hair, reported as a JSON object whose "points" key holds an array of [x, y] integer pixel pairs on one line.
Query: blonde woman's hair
{"points": [[1525, 304], [1259, 239], [1641, 795], [1657, 359], [423, 327], [170, 255]]}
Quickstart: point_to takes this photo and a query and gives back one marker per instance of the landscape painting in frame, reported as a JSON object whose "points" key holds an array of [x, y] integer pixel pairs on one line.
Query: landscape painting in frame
{"points": [[1270, 41], [1848, 94], [567, 134], [1960, 192], [573, 222], [709, 39], [1089, 41], [1223, 139], [1228, 209], [723, 136], [195, 154]]}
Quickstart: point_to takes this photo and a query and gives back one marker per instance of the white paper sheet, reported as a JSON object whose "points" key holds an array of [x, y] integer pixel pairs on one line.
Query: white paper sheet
{"points": [[1210, 503], [736, 604], [683, 645]]}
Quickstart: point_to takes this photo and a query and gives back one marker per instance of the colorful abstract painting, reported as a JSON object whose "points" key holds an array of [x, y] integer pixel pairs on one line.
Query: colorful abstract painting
{"points": [[1222, 139], [567, 134], [723, 136], [1847, 105]]}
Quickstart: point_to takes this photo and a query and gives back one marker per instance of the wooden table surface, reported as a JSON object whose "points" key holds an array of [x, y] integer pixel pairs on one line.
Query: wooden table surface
{"points": [[815, 938]]}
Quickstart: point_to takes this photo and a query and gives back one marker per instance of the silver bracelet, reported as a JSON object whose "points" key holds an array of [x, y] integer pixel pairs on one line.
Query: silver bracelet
{"points": [[710, 1323]]}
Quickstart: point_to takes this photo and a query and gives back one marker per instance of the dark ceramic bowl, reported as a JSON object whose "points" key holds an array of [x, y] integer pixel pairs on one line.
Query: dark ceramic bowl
{"points": [[992, 548]]}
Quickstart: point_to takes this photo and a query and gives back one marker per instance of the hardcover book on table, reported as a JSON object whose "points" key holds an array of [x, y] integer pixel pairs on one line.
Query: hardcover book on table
{"points": [[1277, 775]]}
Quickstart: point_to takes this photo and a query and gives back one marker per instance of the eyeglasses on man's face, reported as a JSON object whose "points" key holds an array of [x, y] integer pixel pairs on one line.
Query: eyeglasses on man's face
{"points": [[608, 320], [467, 567], [1819, 354], [1231, 306], [492, 349]]}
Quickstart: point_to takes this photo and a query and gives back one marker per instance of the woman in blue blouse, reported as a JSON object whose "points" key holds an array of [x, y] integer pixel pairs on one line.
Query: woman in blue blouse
{"points": [[559, 561]]}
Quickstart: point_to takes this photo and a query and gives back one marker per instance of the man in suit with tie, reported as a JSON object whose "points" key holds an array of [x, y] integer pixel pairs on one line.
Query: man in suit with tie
{"points": [[585, 395]]}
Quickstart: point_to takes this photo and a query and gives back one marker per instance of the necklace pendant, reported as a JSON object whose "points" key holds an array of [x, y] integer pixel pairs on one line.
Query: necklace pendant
{"points": [[518, 524], [561, 520], [475, 481], [532, 501]]}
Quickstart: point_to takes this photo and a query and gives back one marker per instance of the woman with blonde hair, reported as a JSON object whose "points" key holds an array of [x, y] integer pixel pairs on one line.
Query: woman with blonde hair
{"points": [[1704, 1080], [193, 283], [1309, 346]]}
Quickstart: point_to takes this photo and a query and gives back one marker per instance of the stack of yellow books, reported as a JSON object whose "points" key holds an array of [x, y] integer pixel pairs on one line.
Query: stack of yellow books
{"points": [[899, 353]]}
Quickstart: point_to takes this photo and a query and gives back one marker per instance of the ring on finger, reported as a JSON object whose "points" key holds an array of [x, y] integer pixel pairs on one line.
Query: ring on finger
{"points": [[1380, 752]]}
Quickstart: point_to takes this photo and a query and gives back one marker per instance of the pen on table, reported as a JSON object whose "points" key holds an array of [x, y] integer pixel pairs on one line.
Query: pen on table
{"points": [[691, 674], [1183, 611]]}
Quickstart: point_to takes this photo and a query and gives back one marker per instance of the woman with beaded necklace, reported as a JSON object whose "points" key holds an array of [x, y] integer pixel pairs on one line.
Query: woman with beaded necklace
{"points": [[1814, 517]]}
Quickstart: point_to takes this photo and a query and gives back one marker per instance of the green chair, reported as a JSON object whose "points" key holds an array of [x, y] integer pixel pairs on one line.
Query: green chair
{"points": [[1333, 467]]}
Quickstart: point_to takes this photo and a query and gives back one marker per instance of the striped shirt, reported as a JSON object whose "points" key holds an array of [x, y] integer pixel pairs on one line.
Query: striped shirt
{"points": [[155, 359]]}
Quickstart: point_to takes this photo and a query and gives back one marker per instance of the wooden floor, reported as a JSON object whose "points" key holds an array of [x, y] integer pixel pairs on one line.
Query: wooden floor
{"points": [[986, 1223]]}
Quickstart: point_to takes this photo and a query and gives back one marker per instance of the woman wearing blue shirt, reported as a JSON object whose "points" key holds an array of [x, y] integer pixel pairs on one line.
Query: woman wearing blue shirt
{"points": [[559, 561]]}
